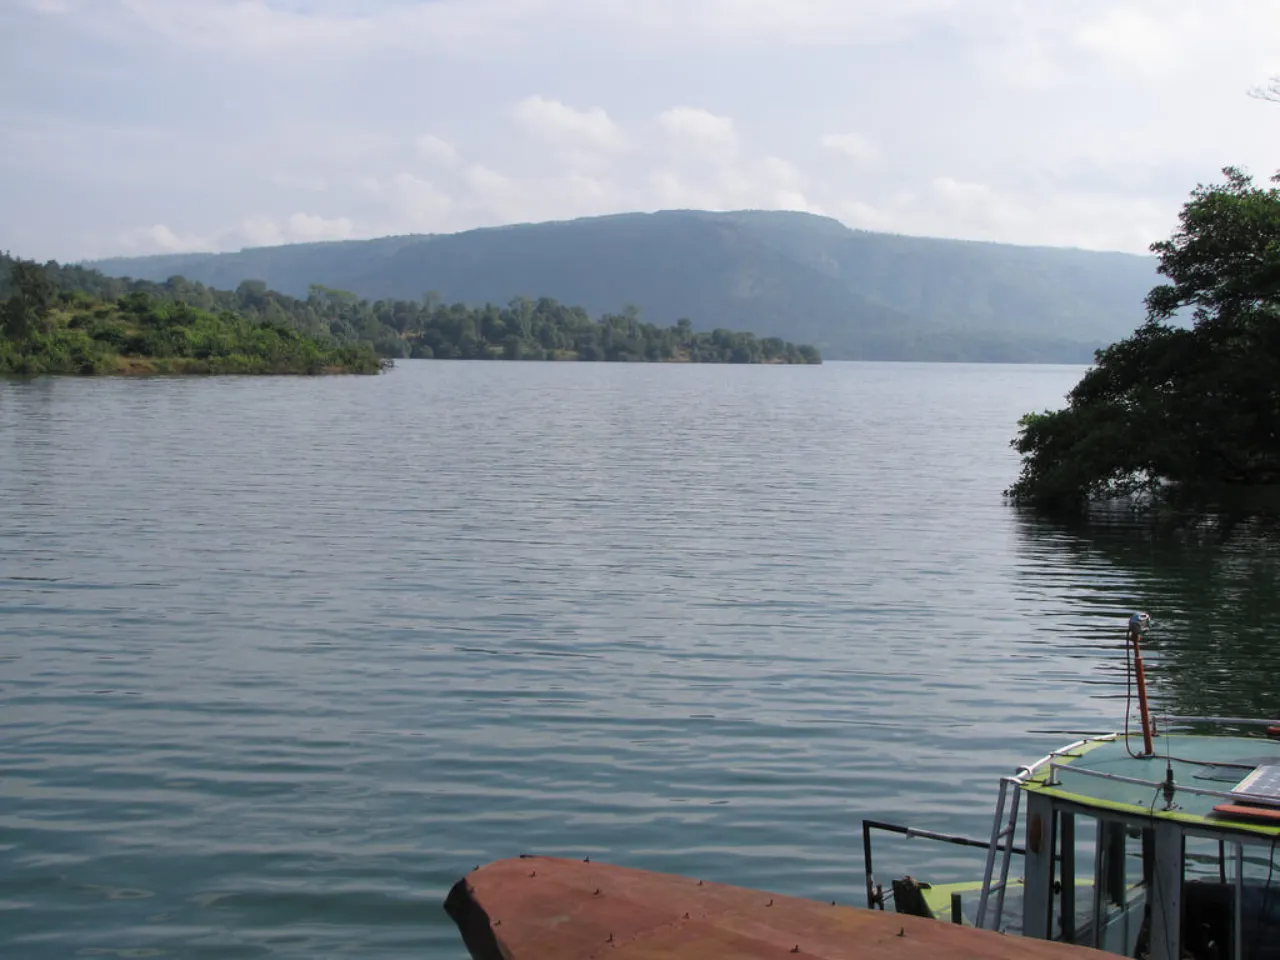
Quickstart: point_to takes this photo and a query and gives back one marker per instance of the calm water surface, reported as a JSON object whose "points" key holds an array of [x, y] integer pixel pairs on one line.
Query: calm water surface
{"points": [[280, 659]]}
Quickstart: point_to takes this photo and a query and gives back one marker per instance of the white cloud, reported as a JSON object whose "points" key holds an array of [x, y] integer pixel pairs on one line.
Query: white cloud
{"points": [[1027, 122], [252, 231], [273, 28], [862, 215], [486, 182], [781, 172], [492, 197], [259, 231], [854, 146], [417, 204], [566, 127], [736, 23], [670, 189], [769, 183], [474, 29], [306, 226], [436, 151], [951, 207], [792, 200], [959, 192], [262, 28], [309, 183], [701, 131], [1150, 42], [158, 238]]}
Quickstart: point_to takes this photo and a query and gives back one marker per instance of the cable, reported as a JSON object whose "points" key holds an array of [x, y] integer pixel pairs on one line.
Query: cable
{"points": [[1155, 876], [1141, 624], [1169, 788]]}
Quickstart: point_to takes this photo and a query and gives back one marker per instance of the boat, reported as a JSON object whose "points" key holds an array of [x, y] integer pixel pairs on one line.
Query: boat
{"points": [[554, 908], [1157, 844]]}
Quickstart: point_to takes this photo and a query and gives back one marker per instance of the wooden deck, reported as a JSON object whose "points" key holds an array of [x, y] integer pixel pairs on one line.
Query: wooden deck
{"points": [[541, 908]]}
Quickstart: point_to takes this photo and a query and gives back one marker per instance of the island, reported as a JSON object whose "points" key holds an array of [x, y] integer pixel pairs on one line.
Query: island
{"points": [[71, 319]]}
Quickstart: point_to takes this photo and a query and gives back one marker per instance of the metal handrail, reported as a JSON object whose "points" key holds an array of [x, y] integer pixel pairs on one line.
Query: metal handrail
{"points": [[912, 832], [1137, 781], [873, 898], [1025, 773]]}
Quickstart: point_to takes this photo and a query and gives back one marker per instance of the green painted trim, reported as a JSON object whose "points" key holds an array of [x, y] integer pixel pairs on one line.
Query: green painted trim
{"points": [[1146, 813], [938, 898], [1037, 785]]}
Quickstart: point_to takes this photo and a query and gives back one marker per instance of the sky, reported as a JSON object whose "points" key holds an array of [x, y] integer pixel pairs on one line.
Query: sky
{"points": [[150, 126]]}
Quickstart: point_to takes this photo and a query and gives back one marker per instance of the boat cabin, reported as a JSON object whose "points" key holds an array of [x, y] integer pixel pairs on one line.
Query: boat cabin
{"points": [[1146, 845], [1177, 846], [1164, 856]]}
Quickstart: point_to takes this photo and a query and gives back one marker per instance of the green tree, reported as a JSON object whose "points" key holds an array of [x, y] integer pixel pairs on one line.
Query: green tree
{"points": [[34, 295], [143, 318], [143, 328], [1178, 412]]}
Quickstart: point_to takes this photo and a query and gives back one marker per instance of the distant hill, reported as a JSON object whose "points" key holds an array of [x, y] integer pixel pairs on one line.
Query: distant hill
{"points": [[851, 293]]}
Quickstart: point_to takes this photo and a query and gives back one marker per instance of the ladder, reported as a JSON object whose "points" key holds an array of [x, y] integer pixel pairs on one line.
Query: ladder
{"points": [[1002, 831]]}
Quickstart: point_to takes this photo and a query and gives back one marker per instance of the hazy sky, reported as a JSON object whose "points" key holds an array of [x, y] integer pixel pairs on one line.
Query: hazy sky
{"points": [[139, 126]]}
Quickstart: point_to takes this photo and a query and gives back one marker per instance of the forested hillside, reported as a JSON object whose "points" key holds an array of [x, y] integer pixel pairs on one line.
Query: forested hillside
{"points": [[853, 294], [524, 329], [57, 321]]}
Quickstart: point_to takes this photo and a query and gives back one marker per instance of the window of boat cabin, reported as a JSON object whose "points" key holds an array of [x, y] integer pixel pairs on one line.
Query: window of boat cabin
{"points": [[1100, 882], [1218, 874], [1105, 882]]}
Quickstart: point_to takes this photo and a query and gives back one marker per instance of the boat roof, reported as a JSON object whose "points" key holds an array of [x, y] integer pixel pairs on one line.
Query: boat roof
{"points": [[1108, 775]]}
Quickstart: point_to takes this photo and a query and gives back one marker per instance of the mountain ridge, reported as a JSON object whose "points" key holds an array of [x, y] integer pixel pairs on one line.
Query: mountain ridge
{"points": [[855, 294]]}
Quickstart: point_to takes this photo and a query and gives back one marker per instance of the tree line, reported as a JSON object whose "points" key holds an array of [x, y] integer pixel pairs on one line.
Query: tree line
{"points": [[49, 326], [523, 329]]}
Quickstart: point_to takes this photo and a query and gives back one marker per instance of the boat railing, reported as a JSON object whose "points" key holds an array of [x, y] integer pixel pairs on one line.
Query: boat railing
{"points": [[875, 892], [1160, 785], [875, 895], [1050, 764], [1025, 773]]}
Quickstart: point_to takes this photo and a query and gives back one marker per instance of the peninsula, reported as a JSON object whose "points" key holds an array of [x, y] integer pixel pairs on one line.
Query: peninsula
{"points": [[48, 330], [71, 319]]}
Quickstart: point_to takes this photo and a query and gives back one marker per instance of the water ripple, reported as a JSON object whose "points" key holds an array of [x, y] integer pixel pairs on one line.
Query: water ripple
{"points": [[283, 658]]}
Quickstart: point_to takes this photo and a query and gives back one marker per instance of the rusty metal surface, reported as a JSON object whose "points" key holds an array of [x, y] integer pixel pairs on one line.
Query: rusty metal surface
{"points": [[542, 908]]}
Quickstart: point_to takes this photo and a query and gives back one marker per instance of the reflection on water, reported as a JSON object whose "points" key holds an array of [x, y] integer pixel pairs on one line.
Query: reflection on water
{"points": [[1213, 592]]}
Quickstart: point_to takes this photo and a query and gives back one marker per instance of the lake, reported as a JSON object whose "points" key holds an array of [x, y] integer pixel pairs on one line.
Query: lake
{"points": [[281, 659]]}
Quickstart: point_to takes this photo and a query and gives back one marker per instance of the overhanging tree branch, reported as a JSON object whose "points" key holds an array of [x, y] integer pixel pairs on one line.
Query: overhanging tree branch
{"points": [[1193, 410]]}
